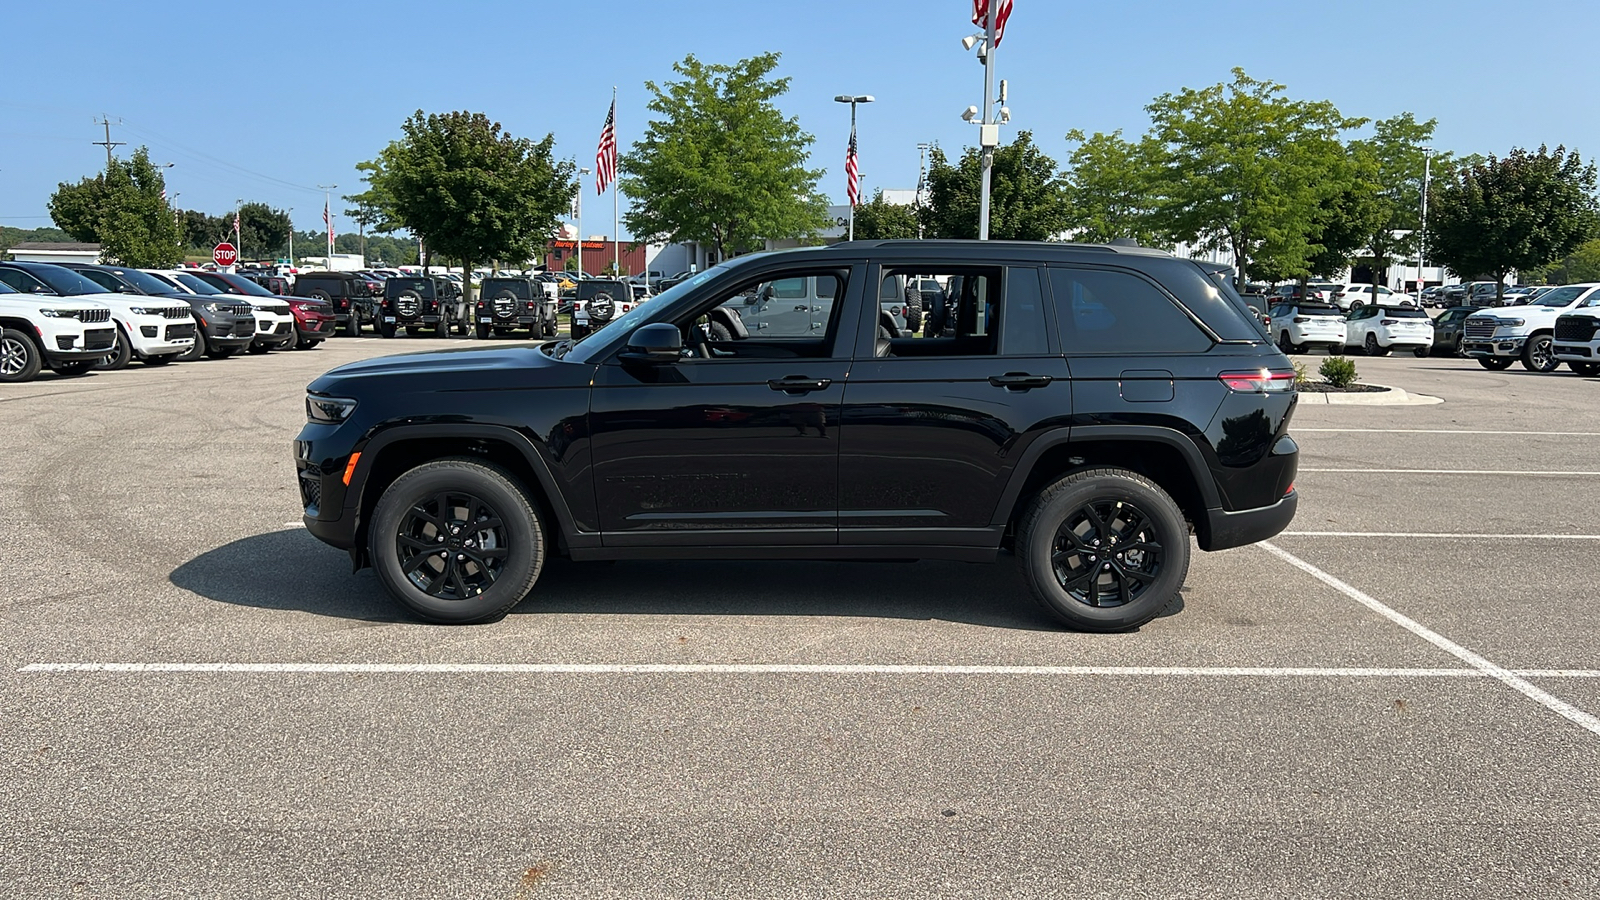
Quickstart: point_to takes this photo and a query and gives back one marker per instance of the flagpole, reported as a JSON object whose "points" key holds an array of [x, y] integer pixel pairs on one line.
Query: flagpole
{"points": [[616, 217], [988, 118], [852, 235]]}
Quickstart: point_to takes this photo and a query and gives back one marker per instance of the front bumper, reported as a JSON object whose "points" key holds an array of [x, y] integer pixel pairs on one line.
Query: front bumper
{"points": [[1492, 347], [1579, 353]]}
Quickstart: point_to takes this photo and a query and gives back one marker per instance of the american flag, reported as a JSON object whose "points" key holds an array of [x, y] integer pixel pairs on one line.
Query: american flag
{"points": [[236, 232], [605, 157], [852, 171], [980, 17], [327, 220]]}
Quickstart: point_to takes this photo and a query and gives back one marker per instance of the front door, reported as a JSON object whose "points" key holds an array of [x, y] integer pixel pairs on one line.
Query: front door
{"points": [[735, 444]]}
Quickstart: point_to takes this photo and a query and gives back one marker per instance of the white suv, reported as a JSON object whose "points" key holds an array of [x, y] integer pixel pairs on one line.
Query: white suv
{"points": [[1498, 338], [1379, 329], [69, 336], [1576, 338], [1295, 326], [1355, 295]]}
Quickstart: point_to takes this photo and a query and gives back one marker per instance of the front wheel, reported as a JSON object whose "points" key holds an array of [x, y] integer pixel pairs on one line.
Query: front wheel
{"points": [[198, 348], [121, 354], [1587, 370], [457, 541], [160, 360], [1494, 363], [258, 348], [1537, 355], [1103, 549], [19, 357], [76, 367]]}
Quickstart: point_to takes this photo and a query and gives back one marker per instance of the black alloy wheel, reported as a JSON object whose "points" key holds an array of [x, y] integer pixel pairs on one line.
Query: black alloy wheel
{"points": [[1371, 346], [1104, 549], [1420, 352], [1538, 354], [1587, 370], [457, 541]]}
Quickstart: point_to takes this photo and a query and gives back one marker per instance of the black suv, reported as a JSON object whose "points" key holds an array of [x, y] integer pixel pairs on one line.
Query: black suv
{"points": [[417, 303], [348, 294], [597, 302], [1090, 406], [506, 304]]}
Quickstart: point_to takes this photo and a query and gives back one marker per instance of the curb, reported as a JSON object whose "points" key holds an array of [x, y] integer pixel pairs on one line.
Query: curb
{"points": [[1393, 396]]}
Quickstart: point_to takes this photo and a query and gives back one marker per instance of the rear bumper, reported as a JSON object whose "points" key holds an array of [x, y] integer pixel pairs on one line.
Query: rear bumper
{"points": [[1226, 529]]}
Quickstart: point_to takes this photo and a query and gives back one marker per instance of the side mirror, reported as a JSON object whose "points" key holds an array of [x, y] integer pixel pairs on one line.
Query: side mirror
{"points": [[657, 343]]}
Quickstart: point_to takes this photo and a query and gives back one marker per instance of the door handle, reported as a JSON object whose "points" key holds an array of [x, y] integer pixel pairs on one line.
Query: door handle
{"points": [[802, 309], [798, 384], [1019, 381]]}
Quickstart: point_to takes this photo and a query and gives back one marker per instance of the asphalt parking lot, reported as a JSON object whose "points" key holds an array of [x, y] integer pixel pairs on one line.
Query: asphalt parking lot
{"points": [[1395, 698]]}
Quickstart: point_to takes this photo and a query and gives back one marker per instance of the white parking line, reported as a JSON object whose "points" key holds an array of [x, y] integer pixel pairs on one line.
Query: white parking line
{"points": [[1541, 473], [1442, 535], [1505, 676], [164, 668], [1444, 431]]}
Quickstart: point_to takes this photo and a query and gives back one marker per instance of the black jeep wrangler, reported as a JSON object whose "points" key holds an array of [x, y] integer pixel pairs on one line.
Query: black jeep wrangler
{"points": [[1087, 410], [346, 292], [508, 304], [418, 303], [597, 301]]}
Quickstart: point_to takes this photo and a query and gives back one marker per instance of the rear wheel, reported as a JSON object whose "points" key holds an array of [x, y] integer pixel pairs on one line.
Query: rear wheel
{"points": [[121, 354], [457, 541], [1371, 346], [1103, 549], [1420, 353], [386, 329], [19, 357], [482, 331], [1495, 363], [1537, 355]]}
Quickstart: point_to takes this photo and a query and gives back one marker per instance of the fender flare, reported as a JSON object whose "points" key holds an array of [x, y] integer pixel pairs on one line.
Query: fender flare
{"points": [[373, 448], [1077, 434]]}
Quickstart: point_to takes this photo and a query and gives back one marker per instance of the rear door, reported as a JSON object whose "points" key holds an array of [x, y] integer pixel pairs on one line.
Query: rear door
{"points": [[933, 427]]}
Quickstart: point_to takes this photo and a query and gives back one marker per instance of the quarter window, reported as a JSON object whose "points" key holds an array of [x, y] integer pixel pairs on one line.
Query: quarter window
{"points": [[1105, 311]]}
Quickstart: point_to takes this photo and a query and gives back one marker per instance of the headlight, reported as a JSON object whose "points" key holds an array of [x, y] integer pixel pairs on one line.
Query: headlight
{"points": [[138, 311], [328, 410], [54, 314], [1513, 323], [212, 307]]}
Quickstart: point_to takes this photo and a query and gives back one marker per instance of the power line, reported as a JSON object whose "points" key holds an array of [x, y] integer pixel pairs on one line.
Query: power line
{"points": [[206, 157]]}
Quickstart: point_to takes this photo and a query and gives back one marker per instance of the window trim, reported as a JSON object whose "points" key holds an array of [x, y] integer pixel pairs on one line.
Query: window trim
{"points": [[1205, 330]]}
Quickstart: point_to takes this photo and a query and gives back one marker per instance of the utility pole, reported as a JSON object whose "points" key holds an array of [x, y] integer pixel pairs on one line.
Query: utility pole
{"points": [[238, 232], [1422, 245], [108, 143]]}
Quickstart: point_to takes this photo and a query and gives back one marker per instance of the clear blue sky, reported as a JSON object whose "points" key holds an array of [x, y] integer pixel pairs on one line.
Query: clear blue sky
{"points": [[251, 100]]}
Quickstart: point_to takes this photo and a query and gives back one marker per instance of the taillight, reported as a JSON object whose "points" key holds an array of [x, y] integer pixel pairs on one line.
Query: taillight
{"points": [[1388, 321], [1260, 381], [1299, 319]]}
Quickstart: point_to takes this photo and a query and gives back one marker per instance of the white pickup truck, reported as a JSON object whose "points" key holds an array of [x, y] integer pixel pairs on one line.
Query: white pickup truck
{"points": [[1577, 336], [1497, 338], [70, 336]]}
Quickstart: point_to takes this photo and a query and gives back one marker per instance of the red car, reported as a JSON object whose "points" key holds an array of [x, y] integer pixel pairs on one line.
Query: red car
{"points": [[313, 319]]}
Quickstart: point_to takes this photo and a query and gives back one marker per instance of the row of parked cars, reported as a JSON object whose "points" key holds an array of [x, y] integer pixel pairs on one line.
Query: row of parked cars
{"points": [[1559, 325]]}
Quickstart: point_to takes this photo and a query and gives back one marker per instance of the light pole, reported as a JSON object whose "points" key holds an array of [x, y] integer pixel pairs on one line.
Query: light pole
{"points": [[1422, 245], [853, 99], [238, 232], [988, 127], [291, 237], [578, 214]]}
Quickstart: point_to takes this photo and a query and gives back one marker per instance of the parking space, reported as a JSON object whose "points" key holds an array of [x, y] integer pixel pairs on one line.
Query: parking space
{"points": [[784, 729]]}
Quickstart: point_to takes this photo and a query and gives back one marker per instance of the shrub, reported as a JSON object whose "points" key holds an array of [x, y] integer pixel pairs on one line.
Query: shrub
{"points": [[1338, 371], [1299, 375]]}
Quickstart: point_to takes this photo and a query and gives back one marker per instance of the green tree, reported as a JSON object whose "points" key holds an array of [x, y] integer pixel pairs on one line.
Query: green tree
{"points": [[1523, 211], [1110, 189], [264, 230], [880, 220], [373, 208], [720, 164], [124, 211], [1394, 187], [1248, 169], [472, 190], [1027, 196]]}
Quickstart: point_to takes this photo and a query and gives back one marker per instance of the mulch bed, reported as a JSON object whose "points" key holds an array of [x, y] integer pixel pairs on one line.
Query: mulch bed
{"points": [[1322, 387]]}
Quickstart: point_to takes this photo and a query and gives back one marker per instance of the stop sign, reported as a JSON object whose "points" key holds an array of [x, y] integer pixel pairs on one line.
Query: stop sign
{"points": [[225, 254]]}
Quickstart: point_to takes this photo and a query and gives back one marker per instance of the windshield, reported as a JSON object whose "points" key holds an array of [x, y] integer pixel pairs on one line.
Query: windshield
{"points": [[1561, 296], [242, 285], [195, 284], [147, 283], [1593, 300], [586, 347], [8, 289], [66, 281]]}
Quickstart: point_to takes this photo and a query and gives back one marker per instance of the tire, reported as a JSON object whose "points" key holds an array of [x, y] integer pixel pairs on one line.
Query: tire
{"points": [[352, 326], [120, 356], [386, 329], [1283, 343], [1336, 349], [75, 368], [1356, 304], [1057, 532], [19, 357], [221, 352], [719, 332], [407, 520], [482, 331], [257, 349], [1421, 352], [198, 348], [1537, 355], [307, 345], [160, 360], [1587, 370], [1495, 363], [1371, 346]]}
